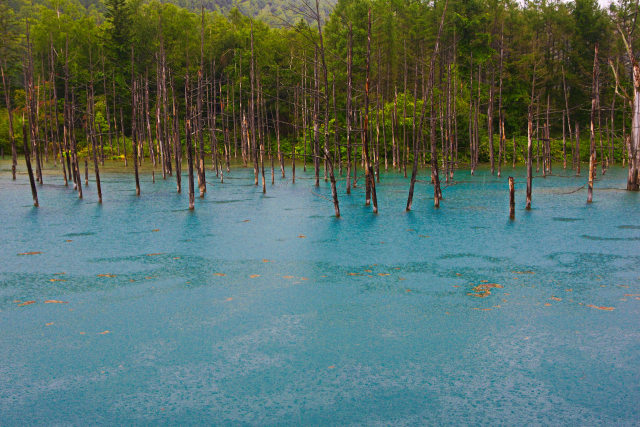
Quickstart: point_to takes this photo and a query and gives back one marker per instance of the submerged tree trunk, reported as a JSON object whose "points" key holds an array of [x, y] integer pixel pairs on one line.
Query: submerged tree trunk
{"points": [[27, 159], [512, 199]]}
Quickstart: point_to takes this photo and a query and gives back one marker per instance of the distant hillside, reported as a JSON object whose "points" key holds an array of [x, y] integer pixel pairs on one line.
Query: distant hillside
{"points": [[274, 12]]}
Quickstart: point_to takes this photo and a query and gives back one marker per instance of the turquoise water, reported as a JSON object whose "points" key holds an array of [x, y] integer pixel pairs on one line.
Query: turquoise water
{"points": [[267, 310]]}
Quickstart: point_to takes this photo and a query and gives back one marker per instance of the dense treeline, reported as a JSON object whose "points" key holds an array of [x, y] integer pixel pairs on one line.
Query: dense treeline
{"points": [[381, 84]]}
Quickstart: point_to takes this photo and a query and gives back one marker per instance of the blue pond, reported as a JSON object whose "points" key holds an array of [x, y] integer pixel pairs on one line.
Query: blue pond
{"points": [[267, 310]]}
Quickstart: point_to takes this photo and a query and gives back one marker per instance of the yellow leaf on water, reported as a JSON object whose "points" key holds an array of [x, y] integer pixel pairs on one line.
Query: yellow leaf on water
{"points": [[229, 299], [601, 308], [156, 254], [368, 271], [301, 236], [59, 274], [30, 253], [54, 301], [332, 367], [353, 274], [219, 274], [82, 333], [287, 277], [265, 260], [57, 280], [253, 276], [546, 304], [104, 332], [556, 299], [484, 281], [383, 274], [304, 278], [26, 303], [106, 275], [68, 241], [155, 230], [48, 324]]}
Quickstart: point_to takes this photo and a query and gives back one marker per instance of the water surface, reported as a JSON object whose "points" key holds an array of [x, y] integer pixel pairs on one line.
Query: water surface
{"points": [[267, 310]]}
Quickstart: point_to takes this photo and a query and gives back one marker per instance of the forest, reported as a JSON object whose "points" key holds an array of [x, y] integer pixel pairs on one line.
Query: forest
{"points": [[371, 86]]}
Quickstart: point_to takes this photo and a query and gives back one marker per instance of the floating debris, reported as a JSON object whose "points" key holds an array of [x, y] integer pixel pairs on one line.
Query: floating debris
{"points": [[104, 332], [219, 274], [54, 301], [484, 290], [156, 254], [26, 303], [30, 253], [106, 275], [253, 276], [601, 307]]}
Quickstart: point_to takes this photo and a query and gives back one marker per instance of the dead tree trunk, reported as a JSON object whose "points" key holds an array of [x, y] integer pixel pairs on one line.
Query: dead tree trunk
{"points": [[512, 199], [594, 107], [529, 140], [188, 116], [371, 184], [7, 99], [434, 160], [27, 159], [134, 130], [348, 113], [327, 155]]}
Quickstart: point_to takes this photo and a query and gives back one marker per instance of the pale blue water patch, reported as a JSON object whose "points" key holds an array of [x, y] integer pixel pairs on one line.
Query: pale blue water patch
{"points": [[267, 310]]}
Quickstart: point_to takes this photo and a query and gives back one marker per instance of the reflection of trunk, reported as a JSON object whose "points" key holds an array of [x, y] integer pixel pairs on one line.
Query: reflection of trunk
{"points": [[633, 182]]}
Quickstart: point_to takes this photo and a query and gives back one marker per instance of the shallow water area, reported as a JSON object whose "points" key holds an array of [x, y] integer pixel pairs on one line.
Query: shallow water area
{"points": [[267, 310]]}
